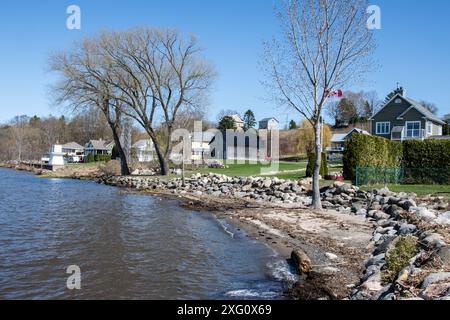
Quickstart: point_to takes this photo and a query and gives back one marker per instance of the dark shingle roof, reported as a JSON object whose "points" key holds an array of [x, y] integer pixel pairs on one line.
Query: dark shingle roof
{"points": [[427, 113]]}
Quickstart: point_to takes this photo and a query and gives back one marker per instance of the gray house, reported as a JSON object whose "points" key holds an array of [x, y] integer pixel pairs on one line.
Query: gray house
{"points": [[269, 124], [402, 118]]}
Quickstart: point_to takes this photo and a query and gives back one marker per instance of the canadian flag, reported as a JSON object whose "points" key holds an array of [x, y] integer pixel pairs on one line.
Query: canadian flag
{"points": [[337, 94]]}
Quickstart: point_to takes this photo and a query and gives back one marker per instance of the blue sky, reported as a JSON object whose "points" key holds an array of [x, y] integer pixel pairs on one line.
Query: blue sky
{"points": [[413, 47]]}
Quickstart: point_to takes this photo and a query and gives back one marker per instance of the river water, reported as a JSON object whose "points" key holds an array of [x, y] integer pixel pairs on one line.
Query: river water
{"points": [[127, 246]]}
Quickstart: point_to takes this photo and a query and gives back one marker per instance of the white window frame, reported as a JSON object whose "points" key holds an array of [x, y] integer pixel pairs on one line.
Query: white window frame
{"points": [[419, 130], [383, 125], [430, 128]]}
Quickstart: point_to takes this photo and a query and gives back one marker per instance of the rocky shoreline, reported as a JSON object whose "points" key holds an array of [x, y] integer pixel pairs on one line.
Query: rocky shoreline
{"points": [[394, 217]]}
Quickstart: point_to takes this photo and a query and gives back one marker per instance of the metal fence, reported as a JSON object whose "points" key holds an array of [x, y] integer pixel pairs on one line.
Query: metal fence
{"points": [[373, 176]]}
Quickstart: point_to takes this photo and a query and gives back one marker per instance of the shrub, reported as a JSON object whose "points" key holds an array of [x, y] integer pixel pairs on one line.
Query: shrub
{"points": [[362, 150], [111, 168], [398, 257], [90, 158], [312, 162]]}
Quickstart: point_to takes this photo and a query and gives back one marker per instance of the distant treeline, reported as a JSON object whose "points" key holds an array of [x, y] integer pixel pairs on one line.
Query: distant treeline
{"points": [[28, 138]]}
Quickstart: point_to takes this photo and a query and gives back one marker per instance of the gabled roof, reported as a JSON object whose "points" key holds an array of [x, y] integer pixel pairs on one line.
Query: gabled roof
{"points": [[236, 118], [340, 137], [268, 119], [100, 144], [72, 145], [427, 113], [143, 143], [414, 105]]}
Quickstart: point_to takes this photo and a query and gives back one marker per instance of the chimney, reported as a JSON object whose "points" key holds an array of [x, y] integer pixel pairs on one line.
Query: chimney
{"points": [[401, 91]]}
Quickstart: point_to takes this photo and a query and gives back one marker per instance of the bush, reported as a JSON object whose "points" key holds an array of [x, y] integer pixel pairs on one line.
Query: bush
{"points": [[398, 257], [111, 168], [90, 158], [362, 150], [427, 162], [312, 162]]}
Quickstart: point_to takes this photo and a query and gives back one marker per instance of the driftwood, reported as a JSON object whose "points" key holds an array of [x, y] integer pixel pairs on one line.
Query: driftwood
{"points": [[301, 260]]}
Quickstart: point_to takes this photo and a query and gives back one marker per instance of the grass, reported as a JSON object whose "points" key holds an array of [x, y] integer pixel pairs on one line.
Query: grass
{"points": [[419, 189], [249, 169], [84, 165]]}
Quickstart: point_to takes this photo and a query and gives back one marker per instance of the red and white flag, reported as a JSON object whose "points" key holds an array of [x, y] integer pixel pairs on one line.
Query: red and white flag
{"points": [[337, 94]]}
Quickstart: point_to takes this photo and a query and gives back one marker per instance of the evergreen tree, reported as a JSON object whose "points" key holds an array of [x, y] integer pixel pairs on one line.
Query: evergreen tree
{"points": [[226, 123], [292, 125], [249, 120]]}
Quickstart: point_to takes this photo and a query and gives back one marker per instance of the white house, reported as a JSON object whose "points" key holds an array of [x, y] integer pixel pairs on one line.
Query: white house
{"points": [[200, 145], [73, 152], [269, 124], [239, 123], [143, 150]]}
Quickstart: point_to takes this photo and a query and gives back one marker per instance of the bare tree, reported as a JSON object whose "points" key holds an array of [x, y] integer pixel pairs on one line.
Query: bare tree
{"points": [[430, 106], [84, 74], [19, 126], [325, 45], [157, 73], [373, 102]]}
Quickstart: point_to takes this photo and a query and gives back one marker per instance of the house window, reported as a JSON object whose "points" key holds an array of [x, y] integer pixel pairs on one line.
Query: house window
{"points": [[398, 100], [429, 128], [413, 129], [383, 128]]}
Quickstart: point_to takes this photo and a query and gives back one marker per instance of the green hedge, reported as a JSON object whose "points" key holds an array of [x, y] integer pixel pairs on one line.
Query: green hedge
{"points": [[421, 162], [362, 150], [426, 162], [312, 162]]}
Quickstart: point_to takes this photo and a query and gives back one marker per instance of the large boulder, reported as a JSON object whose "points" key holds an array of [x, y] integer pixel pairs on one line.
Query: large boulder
{"points": [[435, 278], [423, 213], [443, 219]]}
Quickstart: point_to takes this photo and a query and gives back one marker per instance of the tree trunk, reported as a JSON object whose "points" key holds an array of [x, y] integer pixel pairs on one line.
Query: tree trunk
{"points": [[163, 161], [124, 169], [316, 201]]}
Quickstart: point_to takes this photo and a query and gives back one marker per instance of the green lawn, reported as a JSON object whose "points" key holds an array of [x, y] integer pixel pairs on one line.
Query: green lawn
{"points": [[420, 190], [248, 169], [85, 165]]}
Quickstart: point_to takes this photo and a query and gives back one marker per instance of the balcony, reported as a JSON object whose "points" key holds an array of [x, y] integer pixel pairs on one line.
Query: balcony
{"points": [[402, 134]]}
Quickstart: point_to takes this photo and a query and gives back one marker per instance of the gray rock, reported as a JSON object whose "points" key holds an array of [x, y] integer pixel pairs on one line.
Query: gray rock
{"points": [[406, 204], [373, 283], [379, 215], [407, 228], [423, 213], [444, 257], [376, 260], [434, 278], [434, 240], [443, 219]]}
